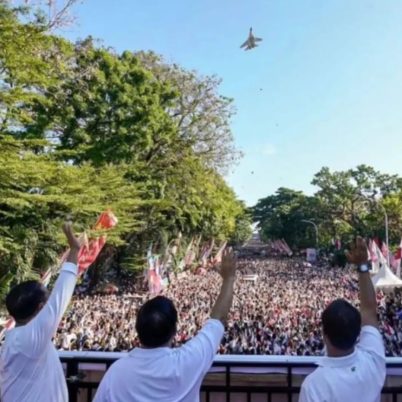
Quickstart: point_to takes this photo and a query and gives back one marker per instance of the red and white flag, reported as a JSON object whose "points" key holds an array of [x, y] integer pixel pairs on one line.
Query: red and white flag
{"points": [[372, 251], [91, 249], [397, 260], [219, 254], [286, 248], [207, 252]]}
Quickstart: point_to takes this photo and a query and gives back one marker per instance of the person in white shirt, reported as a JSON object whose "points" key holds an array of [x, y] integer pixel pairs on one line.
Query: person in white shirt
{"points": [[158, 372], [354, 368], [30, 369]]}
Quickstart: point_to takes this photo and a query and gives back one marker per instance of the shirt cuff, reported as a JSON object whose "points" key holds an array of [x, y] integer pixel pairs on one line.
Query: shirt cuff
{"points": [[216, 323], [69, 267], [369, 329]]}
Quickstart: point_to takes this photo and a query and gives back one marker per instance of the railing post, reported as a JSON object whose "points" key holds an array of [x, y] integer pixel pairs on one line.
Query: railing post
{"points": [[72, 371]]}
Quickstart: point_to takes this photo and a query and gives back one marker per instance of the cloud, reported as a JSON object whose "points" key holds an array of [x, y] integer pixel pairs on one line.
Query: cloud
{"points": [[268, 150]]}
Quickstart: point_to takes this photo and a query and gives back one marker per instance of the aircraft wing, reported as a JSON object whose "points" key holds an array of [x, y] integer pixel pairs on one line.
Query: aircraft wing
{"points": [[258, 39], [244, 44]]}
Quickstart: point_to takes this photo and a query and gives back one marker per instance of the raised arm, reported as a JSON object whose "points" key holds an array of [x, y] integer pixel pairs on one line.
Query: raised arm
{"points": [[224, 301], [42, 328], [199, 352], [368, 303]]}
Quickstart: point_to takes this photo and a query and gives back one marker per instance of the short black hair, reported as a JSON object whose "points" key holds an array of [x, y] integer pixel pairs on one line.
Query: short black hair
{"points": [[24, 299], [156, 322], [341, 324]]}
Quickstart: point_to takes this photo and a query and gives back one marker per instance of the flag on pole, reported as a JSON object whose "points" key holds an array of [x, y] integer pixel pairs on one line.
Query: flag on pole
{"points": [[154, 278], [207, 253], [219, 254], [91, 248], [397, 260], [384, 249], [187, 260], [372, 251], [286, 248]]}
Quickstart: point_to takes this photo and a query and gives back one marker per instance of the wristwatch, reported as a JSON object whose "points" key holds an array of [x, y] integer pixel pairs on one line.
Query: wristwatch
{"points": [[363, 268]]}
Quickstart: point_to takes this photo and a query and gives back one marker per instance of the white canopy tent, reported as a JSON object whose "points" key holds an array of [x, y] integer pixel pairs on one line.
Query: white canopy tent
{"points": [[386, 279]]}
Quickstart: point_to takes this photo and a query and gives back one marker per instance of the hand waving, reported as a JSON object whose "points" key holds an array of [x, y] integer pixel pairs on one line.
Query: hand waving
{"points": [[358, 253], [74, 242], [229, 264]]}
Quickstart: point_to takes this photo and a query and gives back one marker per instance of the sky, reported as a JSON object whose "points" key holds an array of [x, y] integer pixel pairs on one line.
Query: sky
{"points": [[323, 89]]}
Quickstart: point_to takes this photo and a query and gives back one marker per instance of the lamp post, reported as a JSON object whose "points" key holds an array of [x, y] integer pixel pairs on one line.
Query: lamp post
{"points": [[315, 227]]}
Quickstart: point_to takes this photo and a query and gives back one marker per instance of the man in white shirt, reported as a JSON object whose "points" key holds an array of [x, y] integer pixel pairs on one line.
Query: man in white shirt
{"points": [[156, 371], [30, 369], [354, 368]]}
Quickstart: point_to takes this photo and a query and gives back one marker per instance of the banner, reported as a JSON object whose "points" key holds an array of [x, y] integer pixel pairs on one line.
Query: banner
{"points": [[311, 255]]}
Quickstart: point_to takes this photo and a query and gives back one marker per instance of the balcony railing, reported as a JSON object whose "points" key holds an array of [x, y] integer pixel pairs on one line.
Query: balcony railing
{"points": [[232, 378]]}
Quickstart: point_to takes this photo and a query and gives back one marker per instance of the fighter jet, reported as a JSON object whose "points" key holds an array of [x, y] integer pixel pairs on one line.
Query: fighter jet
{"points": [[251, 41]]}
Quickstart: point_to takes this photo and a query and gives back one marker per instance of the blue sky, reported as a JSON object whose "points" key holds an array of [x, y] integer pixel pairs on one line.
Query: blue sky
{"points": [[323, 89]]}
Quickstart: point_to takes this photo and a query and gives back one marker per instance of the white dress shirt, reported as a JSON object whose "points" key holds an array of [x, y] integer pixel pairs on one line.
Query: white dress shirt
{"points": [[30, 368], [163, 374], [359, 376]]}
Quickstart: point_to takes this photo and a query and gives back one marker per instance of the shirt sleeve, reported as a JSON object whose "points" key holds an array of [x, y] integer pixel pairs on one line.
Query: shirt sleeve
{"points": [[200, 351], [371, 341], [40, 330], [372, 344], [102, 393], [304, 397]]}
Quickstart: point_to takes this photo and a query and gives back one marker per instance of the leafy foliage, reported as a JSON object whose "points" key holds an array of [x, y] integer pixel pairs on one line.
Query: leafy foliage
{"points": [[347, 203], [83, 128]]}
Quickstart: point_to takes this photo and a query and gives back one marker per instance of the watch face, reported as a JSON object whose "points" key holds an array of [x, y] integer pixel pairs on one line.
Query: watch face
{"points": [[363, 268]]}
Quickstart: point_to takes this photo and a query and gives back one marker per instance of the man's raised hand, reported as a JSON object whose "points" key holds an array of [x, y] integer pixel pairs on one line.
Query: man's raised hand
{"points": [[74, 242], [228, 265], [358, 254]]}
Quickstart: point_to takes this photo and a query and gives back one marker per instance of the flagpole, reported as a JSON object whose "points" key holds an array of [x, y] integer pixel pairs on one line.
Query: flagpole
{"points": [[386, 231]]}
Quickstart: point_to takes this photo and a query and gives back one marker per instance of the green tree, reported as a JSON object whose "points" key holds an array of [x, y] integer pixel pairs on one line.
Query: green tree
{"points": [[201, 114], [38, 193], [281, 216]]}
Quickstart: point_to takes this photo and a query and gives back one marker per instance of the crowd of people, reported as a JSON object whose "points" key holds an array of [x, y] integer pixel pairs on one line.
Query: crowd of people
{"points": [[277, 310]]}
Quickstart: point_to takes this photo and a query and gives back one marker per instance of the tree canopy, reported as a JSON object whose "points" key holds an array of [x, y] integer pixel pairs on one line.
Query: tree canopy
{"points": [[83, 128], [345, 204]]}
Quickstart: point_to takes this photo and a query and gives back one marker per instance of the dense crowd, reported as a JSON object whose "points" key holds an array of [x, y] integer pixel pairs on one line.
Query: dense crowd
{"points": [[277, 309]]}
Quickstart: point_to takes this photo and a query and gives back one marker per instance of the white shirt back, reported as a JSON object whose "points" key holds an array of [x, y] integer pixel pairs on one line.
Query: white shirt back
{"points": [[163, 374], [357, 377], [30, 368]]}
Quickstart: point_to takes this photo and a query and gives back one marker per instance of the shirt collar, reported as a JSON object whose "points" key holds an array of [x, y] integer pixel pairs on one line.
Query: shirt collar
{"points": [[149, 351], [335, 362]]}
